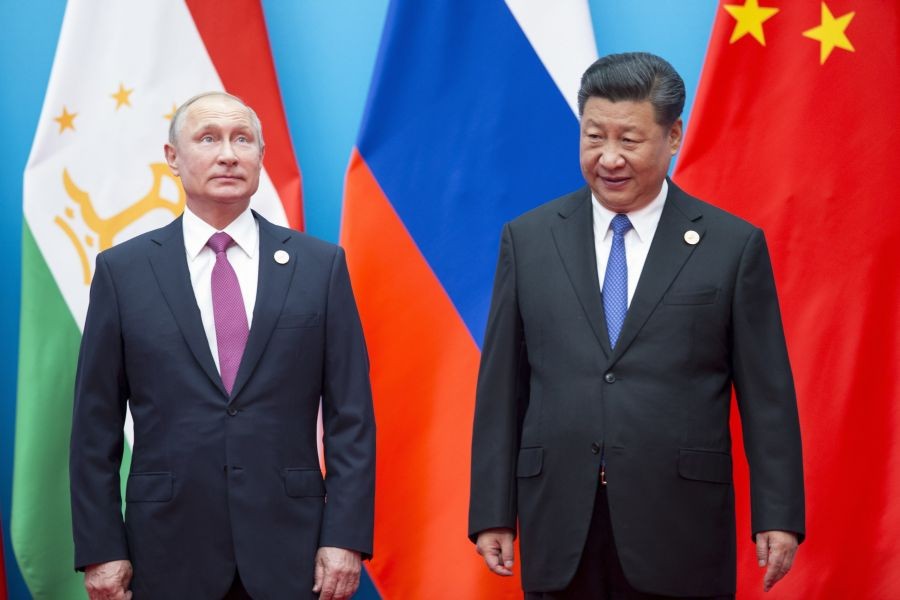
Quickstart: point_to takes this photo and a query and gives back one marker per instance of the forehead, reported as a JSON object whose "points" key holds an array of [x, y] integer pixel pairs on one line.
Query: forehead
{"points": [[217, 111], [636, 113]]}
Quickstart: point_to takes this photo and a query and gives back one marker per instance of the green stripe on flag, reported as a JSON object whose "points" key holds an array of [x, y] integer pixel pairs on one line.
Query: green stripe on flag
{"points": [[41, 528]]}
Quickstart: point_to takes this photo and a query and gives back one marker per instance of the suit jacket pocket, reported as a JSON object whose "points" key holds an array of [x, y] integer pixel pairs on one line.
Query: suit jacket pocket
{"points": [[289, 321], [303, 483], [531, 460], [704, 465], [707, 296], [149, 487]]}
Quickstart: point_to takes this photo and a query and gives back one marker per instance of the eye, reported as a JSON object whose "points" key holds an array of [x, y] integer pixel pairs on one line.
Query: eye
{"points": [[207, 138], [243, 139]]}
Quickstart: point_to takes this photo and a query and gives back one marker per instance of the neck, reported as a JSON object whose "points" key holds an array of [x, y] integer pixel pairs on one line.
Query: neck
{"points": [[218, 216]]}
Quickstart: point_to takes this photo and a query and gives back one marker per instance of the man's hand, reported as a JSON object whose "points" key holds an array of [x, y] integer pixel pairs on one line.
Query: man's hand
{"points": [[775, 550], [108, 581], [337, 573], [496, 547]]}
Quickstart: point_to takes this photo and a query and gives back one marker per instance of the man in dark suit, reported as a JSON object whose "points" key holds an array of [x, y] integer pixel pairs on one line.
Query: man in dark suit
{"points": [[222, 332], [602, 417]]}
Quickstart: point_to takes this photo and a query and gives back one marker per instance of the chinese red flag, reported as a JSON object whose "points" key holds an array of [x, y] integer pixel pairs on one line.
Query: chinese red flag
{"points": [[796, 128]]}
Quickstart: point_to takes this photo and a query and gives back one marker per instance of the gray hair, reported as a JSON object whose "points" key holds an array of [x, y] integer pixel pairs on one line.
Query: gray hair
{"points": [[178, 118], [635, 76]]}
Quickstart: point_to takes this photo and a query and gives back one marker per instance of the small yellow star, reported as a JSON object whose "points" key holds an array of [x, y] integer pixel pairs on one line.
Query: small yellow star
{"points": [[750, 18], [66, 120], [831, 33], [171, 114], [122, 97]]}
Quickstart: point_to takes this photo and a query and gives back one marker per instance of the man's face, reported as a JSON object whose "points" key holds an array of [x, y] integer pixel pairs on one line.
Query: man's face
{"points": [[625, 153], [216, 154]]}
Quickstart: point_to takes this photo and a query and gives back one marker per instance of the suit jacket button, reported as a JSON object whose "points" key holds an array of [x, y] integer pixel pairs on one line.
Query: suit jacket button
{"points": [[595, 448], [232, 412], [609, 378]]}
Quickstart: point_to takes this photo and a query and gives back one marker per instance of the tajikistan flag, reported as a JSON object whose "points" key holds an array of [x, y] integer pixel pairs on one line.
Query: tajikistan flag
{"points": [[96, 176]]}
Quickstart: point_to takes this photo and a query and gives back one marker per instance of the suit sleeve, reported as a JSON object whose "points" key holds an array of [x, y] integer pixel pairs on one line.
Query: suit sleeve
{"points": [[501, 398], [348, 421], [765, 394], [101, 394]]}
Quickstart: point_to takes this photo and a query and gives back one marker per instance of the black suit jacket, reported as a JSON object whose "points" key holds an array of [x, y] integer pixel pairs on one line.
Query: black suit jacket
{"points": [[553, 398], [220, 482]]}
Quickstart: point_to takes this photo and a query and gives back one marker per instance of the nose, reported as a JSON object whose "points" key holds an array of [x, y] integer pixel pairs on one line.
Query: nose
{"points": [[610, 159], [226, 153]]}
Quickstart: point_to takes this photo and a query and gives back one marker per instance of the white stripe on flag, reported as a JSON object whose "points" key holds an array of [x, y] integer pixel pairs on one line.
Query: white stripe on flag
{"points": [[563, 39]]}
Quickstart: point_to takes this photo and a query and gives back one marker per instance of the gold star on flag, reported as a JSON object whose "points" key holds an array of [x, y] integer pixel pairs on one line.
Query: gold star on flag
{"points": [[750, 18], [831, 33], [171, 114], [66, 120], [122, 97]]}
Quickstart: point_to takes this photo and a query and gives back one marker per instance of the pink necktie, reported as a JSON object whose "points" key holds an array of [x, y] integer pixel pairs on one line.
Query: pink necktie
{"points": [[228, 311]]}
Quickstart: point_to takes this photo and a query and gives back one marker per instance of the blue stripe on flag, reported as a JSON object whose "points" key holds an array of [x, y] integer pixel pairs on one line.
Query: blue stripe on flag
{"points": [[465, 130]]}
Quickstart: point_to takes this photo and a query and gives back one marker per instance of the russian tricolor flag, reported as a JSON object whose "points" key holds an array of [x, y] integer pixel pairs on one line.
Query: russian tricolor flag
{"points": [[470, 121]]}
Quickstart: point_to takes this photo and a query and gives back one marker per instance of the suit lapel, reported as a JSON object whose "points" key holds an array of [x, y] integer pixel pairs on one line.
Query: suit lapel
{"points": [[574, 238], [271, 290], [668, 253], [169, 263]]}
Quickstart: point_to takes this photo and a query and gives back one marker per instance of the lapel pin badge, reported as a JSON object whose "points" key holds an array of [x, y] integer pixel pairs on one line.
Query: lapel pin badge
{"points": [[691, 237], [281, 257]]}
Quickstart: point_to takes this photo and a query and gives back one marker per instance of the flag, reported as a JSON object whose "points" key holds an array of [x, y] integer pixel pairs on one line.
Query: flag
{"points": [[795, 129], [470, 121], [2, 567], [96, 176]]}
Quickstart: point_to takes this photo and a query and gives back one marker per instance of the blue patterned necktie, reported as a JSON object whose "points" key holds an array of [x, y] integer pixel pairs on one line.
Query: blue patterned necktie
{"points": [[615, 282]]}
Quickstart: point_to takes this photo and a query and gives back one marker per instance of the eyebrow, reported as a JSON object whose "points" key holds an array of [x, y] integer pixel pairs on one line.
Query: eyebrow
{"points": [[203, 127], [626, 127]]}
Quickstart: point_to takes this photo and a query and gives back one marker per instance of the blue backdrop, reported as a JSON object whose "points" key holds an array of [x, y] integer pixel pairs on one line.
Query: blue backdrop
{"points": [[324, 53]]}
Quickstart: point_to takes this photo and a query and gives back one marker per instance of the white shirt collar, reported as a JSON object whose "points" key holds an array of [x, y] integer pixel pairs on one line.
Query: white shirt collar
{"points": [[644, 220], [243, 230]]}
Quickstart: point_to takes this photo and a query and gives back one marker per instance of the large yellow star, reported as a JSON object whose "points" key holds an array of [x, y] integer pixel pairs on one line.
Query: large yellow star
{"points": [[66, 120], [750, 18], [830, 34], [122, 97], [170, 115]]}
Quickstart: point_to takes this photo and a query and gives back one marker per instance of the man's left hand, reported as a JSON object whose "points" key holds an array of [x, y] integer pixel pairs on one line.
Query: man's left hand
{"points": [[337, 573], [775, 550]]}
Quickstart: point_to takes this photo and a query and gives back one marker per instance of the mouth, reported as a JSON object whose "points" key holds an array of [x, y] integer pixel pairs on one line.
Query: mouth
{"points": [[227, 177], [614, 182]]}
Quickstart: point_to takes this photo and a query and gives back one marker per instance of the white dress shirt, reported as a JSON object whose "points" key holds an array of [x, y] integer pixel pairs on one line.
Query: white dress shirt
{"points": [[243, 256], [637, 239]]}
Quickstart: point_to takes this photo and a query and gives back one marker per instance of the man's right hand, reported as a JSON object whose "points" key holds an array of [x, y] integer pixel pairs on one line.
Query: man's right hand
{"points": [[496, 547], [108, 581]]}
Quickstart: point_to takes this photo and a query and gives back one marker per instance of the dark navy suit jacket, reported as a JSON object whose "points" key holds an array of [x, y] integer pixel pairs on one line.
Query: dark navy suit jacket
{"points": [[220, 482]]}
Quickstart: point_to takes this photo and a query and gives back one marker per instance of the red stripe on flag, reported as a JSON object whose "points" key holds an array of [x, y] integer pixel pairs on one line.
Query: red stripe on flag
{"points": [[424, 368], [807, 149], [238, 44]]}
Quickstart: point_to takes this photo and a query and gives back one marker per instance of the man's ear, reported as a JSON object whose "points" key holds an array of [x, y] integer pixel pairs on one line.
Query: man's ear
{"points": [[676, 134], [171, 158]]}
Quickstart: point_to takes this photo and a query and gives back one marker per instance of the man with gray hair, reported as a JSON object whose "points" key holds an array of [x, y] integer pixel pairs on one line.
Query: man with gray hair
{"points": [[222, 333], [623, 316]]}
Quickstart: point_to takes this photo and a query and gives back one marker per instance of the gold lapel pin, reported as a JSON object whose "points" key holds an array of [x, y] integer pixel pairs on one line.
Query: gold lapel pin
{"points": [[691, 237], [281, 257]]}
